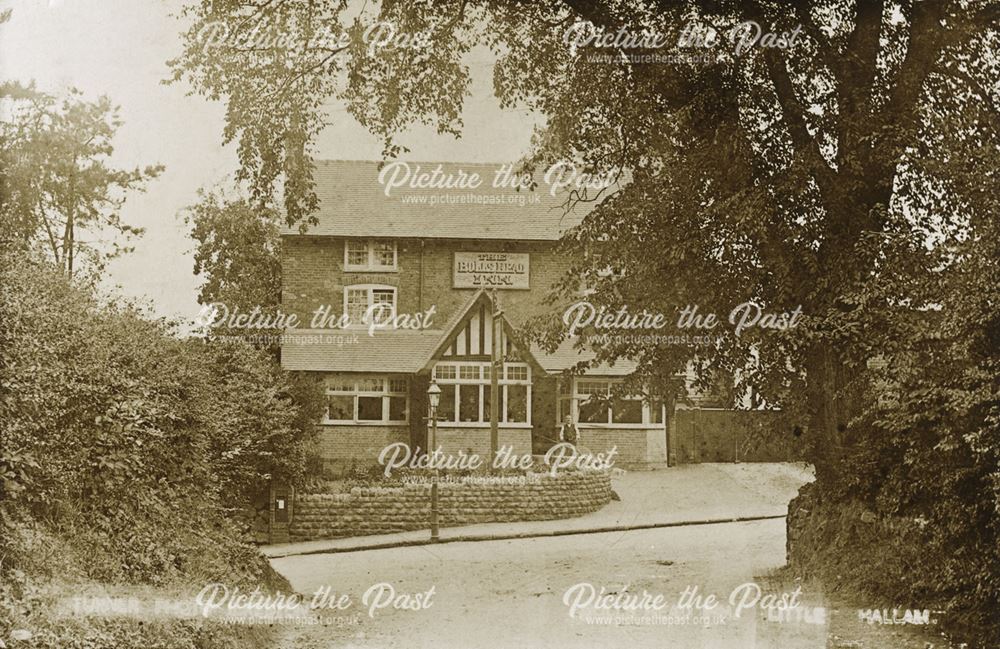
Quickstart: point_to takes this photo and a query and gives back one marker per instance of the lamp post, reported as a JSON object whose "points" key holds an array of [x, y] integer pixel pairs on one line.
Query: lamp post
{"points": [[496, 366], [434, 398]]}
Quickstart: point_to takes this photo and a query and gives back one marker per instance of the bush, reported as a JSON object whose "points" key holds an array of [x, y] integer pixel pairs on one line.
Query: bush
{"points": [[924, 462], [126, 451]]}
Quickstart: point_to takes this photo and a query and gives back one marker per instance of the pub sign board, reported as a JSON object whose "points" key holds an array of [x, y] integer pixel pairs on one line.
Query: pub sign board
{"points": [[500, 270]]}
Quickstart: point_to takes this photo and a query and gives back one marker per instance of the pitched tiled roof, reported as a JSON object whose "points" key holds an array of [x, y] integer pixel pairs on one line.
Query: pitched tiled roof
{"points": [[355, 351], [406, 352], [567, 356], [387, 351], [353, 204]]}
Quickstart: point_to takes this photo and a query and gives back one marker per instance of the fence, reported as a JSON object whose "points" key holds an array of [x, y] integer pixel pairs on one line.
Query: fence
{"points": [[708, 435]]}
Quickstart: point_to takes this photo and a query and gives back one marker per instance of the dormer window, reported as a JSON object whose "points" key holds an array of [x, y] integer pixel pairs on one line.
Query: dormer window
{"points": [[370, 255]]}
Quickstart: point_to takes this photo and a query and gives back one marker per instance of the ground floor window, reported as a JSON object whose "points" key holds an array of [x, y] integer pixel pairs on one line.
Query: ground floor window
{"points": [[369, 399], [465, 392], [594, 401]]}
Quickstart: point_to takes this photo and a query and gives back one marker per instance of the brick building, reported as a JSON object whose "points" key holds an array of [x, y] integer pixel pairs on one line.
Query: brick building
{"points": [[432, 258]]}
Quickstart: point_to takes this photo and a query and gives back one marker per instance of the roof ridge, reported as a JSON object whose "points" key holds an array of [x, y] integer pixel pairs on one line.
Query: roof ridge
{"points": [[443, 162], [353, 202]]}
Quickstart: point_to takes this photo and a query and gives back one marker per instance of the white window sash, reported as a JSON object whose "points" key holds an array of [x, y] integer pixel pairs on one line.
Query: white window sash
{"points": [[369, 299], [385, 394], [579, 398], [483, 384], [370, 265]]}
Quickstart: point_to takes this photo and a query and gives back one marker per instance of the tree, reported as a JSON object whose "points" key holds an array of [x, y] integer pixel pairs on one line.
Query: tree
{"points": [[237, 251], [930, 463], [58, 179], [787, 176]]}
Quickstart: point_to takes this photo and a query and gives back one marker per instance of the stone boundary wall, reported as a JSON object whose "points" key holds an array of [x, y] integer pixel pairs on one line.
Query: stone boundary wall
{"points": [[384, 510]]}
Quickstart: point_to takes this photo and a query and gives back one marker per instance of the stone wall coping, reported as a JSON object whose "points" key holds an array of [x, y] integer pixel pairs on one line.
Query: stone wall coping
{"points": [[376, 510]]}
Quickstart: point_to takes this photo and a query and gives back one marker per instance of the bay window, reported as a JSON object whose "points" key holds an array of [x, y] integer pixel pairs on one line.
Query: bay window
{"points": [[465, 393], [378, 399], [595, 401]]}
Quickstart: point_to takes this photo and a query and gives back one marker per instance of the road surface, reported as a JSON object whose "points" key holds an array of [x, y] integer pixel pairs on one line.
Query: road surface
{"points": [[500, 594]]}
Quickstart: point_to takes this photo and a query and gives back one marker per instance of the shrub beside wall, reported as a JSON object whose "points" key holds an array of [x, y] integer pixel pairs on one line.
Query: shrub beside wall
{"points": [[383, 510]]}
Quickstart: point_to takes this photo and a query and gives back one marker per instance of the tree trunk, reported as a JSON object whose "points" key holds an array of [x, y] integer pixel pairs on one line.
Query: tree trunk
{"points": [[70, 220], [830, 408]]}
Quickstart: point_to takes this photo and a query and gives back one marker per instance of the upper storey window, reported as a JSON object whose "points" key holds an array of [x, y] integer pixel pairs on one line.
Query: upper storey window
{"points": [[370, 255]]}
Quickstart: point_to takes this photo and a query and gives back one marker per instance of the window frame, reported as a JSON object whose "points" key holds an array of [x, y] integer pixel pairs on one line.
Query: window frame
{"points": [[483, 382], [370, 288], [386, 393], [371, 266], [574, 399]]}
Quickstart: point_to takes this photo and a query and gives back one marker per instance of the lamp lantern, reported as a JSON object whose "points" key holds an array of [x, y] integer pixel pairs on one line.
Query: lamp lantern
{"points": [[434, 394]]}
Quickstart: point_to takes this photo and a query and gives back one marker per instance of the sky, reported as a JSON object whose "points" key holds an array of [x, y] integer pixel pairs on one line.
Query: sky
{"points": [[120, 48]]}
